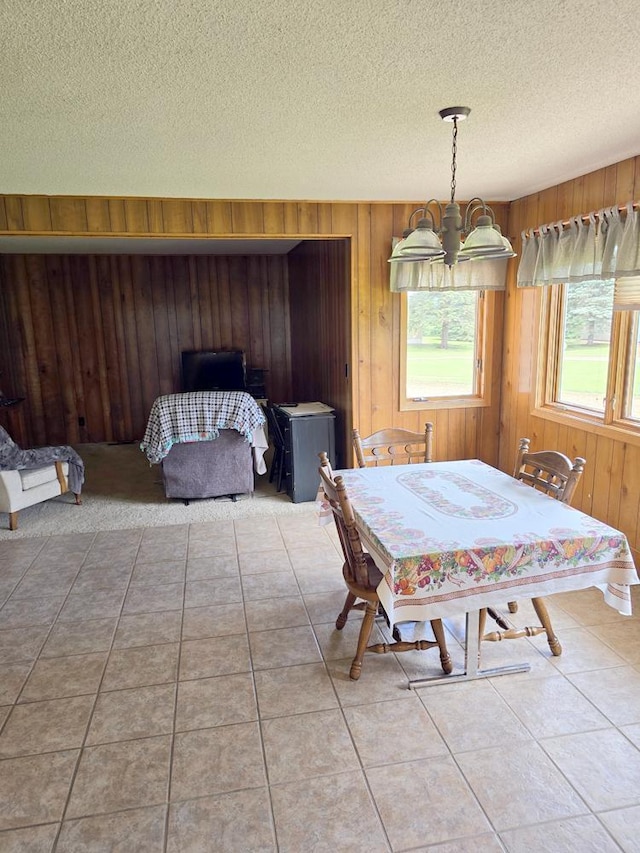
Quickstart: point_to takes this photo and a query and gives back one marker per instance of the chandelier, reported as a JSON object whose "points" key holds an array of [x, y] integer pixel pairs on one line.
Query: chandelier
{"points": [[442, 242]]}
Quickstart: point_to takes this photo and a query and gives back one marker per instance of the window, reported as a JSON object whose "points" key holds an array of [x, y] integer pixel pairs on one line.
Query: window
{"points": [[443, 360], [590, 355]]}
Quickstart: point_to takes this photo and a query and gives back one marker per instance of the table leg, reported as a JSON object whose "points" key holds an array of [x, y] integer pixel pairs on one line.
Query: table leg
{"points": [[472, 669]]}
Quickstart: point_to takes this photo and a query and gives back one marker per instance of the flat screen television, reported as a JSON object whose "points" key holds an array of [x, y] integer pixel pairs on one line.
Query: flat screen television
{"points": [[204, 370]]}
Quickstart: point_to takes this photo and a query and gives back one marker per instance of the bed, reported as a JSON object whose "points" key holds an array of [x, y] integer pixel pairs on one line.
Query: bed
{"points": [[208, 443]]}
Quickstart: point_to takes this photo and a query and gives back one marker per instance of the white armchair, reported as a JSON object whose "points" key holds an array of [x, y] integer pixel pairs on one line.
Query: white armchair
{"points": [[28, 477]]}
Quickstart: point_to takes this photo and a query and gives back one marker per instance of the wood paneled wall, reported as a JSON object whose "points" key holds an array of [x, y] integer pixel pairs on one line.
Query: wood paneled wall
{"points": [[610, 487], [375, 312], [99, 337], [320, 300]]}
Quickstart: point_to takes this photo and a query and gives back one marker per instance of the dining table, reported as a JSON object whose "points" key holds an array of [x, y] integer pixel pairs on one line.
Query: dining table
{"points": [[462, 536]]}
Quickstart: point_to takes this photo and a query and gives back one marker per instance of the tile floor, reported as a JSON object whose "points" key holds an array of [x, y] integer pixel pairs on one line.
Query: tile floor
{"points": [[184, 689]]}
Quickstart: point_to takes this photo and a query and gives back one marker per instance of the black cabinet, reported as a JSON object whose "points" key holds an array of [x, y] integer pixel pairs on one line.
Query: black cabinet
{"points": [[305, 436]]}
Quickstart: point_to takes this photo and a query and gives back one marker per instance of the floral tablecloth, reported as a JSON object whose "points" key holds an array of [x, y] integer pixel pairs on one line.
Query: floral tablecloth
{"points": [[458, 536]]}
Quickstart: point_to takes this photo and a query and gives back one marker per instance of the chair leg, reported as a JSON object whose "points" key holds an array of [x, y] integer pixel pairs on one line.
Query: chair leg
{"points": [[280, 470], [543, 615], [344, 615], [445, 658], [13, 521], [363, 639]]}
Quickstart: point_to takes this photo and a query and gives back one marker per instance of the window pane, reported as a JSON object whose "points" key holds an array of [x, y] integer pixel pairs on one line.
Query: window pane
{"points": [[586, 337], [441, 343], [633, 403]]}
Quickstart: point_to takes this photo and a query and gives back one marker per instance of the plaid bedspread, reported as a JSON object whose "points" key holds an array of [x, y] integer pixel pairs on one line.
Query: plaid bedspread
{"points": [[198, 416]]}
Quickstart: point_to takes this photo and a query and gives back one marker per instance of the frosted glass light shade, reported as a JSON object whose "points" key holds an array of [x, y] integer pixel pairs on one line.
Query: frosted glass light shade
{"points": [[423, 243]]}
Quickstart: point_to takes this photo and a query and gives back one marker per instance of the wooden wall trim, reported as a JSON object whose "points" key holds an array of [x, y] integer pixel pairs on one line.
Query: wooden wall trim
{"points": [[374, 315]]}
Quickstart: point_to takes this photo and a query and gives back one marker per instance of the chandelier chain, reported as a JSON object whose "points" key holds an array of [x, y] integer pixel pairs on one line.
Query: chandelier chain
{"points": [[454, 149]]}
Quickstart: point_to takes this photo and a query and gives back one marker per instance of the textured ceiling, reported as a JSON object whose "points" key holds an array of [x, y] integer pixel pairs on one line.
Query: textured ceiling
{"points": [[292, 99]]}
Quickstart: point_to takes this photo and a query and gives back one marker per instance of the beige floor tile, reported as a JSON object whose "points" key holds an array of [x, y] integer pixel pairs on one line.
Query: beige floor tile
{"points": [[294, 690], [623, 637], [258, 562], [23, 612], [205, 593], [320, 557], [257, 542], [209, 531], [615, 692], [561, 836], [283, 647], [118, 776], [241, 818], [449, 706], [215, 656], [215, 546], [327, 814], [216, 761], [34, 789], [154, 551], [148, 629], [155, 574], [382, 678], [603, 767], [286, 612], [445, 809], [624, 825], [21, 644], [485, 843], [139, 830], [116, 541], [550, 706], [539, 792], [154, 599], [307, 745], [74, 543], [382, 734], [220, 701], [135, 713], [33, 839], [49, 726], [581, 652], [54, 678], [111, 575], [138, 667], [77, 638], [326, 606], [12, 678], [38, 582], [586, 606], [509, 652], [632, 732], [92, 605], [213, 621], [269, 585], [213, 566], [325, 579]]}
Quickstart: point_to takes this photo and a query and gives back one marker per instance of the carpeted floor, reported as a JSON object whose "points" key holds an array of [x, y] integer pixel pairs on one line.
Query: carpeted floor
{"points": [[123, 491]]}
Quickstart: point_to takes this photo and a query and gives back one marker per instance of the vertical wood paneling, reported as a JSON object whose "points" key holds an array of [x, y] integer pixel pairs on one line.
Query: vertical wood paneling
{"points": [[36, 213], [98, 215], [145, 323]]}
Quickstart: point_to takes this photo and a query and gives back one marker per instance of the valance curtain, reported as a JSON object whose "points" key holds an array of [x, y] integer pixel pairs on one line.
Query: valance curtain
{"points": [[605, 247], [466, 275]]}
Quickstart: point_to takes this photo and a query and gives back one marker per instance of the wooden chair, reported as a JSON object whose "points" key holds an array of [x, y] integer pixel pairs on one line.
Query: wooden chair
{"points": [[393, 447], [553, 473], [362, 577], [278, 462]]}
